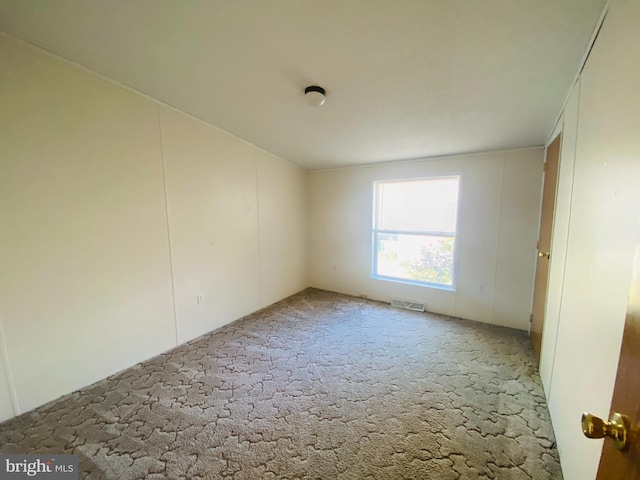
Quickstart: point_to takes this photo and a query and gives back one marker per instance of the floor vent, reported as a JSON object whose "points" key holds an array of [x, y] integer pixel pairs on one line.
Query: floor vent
{"points": [[408, 304]]}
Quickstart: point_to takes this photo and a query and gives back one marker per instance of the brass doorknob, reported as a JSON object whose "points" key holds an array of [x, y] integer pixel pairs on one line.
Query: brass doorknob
{"points": [[544, 254], [617, 428]]}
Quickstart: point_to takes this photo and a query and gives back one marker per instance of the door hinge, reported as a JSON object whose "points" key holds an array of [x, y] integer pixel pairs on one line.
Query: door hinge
{"points": [[538, 245], [531, 318], [544, 167]]}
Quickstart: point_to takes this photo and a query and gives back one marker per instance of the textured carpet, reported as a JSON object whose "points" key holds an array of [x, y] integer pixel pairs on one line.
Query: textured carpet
{"points": [[318, 386]]}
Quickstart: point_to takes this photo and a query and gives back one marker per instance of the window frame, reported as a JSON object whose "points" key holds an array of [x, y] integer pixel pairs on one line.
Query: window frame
{"points": [[376, 217]]}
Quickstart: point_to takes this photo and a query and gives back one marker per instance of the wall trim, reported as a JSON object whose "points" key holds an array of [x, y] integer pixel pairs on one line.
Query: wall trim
{"points": [[423, 159], [168, 222], [9, 374]]}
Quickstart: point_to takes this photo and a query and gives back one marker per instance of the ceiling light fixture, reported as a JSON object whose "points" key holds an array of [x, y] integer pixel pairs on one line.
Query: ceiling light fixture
{"points": [[314, 95]]}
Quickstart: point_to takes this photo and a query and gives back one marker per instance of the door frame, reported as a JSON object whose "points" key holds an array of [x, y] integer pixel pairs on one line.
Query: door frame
{"points": [[543, 247]]}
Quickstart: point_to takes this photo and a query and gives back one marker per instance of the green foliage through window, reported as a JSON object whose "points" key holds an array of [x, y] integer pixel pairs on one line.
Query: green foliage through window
{"points": [[433, 265]]}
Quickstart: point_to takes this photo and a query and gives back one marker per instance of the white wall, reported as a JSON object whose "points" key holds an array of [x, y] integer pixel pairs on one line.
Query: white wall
{"points": [[237, 223], [88, 173], [599, 225], [498, 224], [213, 218], [282, 201], [85, 284]]}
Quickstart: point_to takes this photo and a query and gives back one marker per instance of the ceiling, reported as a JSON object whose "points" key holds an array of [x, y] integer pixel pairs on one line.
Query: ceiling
{"points": [[404, 78]]}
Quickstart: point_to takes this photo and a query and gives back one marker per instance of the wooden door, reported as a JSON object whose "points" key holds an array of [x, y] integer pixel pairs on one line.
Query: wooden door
{"points": [[616, 465], [544, 244]]}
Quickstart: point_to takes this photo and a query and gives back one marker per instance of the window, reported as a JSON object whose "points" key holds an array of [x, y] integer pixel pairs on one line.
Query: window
{"points": [[414, 230]]}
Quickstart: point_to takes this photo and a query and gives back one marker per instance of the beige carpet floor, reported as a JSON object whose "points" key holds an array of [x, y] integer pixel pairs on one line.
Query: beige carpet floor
{"points": [[318, 386]]}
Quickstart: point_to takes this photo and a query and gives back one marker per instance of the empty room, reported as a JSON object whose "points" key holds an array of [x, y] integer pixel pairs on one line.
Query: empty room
{"points": [[346, 239]]}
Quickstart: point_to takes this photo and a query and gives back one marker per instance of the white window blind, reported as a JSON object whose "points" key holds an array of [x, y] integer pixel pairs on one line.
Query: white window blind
{"points": [[429, 205]]}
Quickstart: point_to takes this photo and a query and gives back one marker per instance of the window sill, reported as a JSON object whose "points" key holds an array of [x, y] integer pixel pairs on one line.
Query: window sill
{"points": [[415, 283]]}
